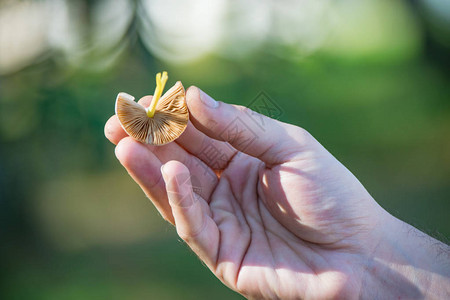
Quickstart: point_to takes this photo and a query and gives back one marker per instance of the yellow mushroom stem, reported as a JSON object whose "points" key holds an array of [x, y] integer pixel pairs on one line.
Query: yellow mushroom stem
{"points": [[160, 83]]}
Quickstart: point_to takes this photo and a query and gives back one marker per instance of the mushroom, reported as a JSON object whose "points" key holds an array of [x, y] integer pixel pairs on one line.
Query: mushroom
{"points": [[162, 122]]}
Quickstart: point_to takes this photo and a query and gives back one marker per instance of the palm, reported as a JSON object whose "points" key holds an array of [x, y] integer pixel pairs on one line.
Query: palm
{"points": [[259, 245]]}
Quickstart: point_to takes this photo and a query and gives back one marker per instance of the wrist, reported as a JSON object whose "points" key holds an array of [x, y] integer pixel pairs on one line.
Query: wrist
{"points": [[406, 263]]}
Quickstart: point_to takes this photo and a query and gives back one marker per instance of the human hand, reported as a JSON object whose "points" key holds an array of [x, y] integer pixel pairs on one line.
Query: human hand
{"points": [[276, 217]]}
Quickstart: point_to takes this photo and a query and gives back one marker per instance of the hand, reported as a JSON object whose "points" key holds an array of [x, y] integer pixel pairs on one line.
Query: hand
{"points": [[269, 210]]}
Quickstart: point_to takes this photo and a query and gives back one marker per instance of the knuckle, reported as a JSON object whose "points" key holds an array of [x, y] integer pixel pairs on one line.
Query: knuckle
{"points": [[303, 136], [191, 234], [184, 236], [244, 109]]}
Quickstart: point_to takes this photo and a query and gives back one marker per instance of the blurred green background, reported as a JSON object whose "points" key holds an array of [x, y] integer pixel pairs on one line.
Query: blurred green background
{"points": [[369, 79]]}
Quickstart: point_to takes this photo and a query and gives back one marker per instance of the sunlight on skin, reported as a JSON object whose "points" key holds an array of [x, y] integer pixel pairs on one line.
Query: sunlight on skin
{"points": [[284, 219]]}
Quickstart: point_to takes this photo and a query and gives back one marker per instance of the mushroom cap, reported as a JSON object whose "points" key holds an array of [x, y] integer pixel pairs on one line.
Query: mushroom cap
{"points": [[168, 123]]}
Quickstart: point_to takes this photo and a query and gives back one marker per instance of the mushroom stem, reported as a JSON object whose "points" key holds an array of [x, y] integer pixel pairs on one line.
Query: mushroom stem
{"points": [[160, 83]]}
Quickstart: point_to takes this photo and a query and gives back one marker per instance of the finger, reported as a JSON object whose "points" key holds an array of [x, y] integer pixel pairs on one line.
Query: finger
{"points": [[203, 178], [269, 140], [192, 220], [144, 167], [114, 131], [216, 154]]}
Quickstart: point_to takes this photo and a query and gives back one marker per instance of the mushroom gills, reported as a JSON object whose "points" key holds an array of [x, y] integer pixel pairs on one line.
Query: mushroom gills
{"points": [[167, 124]]}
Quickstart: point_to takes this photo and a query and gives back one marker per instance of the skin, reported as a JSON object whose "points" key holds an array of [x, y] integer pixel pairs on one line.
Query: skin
{"points": [[274, 215]]}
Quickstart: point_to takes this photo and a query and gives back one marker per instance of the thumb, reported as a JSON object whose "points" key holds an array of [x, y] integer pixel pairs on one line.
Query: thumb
{"points": [[271, 141]]}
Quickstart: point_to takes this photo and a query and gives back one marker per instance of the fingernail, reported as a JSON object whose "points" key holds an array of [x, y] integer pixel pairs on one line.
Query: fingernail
{"points": [[162, 170], [207, 100]]}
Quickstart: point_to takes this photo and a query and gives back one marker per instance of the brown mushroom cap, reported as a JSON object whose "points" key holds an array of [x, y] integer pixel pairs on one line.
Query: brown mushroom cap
{"points": [[168, 123]]}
